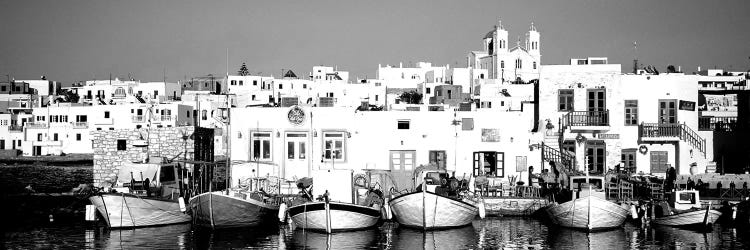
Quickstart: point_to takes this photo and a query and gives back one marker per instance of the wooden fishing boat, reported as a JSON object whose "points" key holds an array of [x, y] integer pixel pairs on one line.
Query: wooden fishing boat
{"points": [[235, 208], [589, 210], [429, 207], [685, 210], [343, 214], [328, 216], [153, 201]]}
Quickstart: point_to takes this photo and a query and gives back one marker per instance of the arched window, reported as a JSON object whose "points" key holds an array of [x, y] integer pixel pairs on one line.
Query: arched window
{"points": [[120, 92]]}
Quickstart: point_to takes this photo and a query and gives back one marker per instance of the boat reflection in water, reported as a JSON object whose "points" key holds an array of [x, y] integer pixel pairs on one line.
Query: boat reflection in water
{"points": [[164, 237], [569, 238], [681, 238], [400, 237], [510, 232], [232, 238], [310, 239]]}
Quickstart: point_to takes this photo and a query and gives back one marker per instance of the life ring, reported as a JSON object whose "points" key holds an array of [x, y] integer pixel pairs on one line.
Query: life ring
{"points": [[643, 149], [360, 180]]}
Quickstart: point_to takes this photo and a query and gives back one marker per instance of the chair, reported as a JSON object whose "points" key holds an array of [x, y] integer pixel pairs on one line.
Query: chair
{"points": [[626, 190], [657, 192], [613, 190]]}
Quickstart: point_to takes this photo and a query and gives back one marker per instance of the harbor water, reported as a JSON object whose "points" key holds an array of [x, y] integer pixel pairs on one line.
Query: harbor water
{"points": [[490, 233]]}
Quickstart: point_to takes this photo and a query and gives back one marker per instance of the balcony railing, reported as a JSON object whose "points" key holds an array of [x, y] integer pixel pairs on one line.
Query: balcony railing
{"points": [[36, 125], [676, 131], [80, 124], [710, 123], [586, 118], [164, 118], [15, 127], [139, 118]]}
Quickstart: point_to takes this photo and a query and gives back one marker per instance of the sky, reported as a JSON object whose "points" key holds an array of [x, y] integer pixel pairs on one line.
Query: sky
{"points": [[78, 40]]}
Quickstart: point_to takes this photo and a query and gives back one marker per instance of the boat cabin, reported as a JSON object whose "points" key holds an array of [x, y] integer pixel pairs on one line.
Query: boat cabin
{"points": [[149, 179], [685, 199], [583, 186]]}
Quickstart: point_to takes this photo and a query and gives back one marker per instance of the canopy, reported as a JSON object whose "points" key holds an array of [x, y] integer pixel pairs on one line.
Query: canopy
{"points": [[149, 171]]}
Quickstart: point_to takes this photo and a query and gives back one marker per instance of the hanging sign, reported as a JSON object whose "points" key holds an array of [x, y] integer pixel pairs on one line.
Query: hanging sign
{"points": [[687, 105]]}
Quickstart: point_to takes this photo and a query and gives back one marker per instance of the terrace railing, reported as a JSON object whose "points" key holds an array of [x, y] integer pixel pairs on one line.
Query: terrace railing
{"points": [[681, 131], [586, 118]]}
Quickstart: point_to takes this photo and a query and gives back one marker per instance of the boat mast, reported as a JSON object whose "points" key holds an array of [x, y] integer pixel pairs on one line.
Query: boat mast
{"points": [[229, 144]]}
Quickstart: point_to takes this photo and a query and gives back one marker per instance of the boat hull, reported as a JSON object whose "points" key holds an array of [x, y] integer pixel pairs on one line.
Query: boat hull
{"points": [[431, 211], [340, 216], [127, 211], [217, 210], [589, 213], [694, 218]]}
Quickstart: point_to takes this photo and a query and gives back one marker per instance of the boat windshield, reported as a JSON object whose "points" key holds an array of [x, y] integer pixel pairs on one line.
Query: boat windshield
{"points": [[166, 174]]}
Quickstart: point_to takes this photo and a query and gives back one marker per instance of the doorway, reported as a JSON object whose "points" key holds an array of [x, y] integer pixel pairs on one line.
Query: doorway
{"points": [[667, 111], [437, 157], [596, 152], [295, 155]]}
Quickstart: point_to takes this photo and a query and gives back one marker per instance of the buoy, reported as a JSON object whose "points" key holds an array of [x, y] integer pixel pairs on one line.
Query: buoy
{"points": [[633, 212], [282, 212], [480, 206], [51, 219], [90, 213], [182, 204], [387, 206]]}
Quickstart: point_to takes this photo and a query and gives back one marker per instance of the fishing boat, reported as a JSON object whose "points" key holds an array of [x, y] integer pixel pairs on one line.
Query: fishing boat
{"points": [[589, 210], [685, 210], [329, 216], [431, 207], [241, 206], [153, 201]]}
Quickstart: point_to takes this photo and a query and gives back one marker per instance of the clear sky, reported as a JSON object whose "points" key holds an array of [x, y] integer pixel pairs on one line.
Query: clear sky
{"points": [[76, 40]]}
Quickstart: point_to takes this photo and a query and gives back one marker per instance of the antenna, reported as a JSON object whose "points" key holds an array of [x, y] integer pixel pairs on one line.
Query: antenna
{"points": [[635, 57]]}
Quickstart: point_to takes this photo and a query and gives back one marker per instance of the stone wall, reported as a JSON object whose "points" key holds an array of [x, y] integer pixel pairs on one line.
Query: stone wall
{"points": [[144, 145]]}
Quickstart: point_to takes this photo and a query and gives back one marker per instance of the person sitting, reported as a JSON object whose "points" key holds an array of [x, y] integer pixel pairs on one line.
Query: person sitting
{"points": [[690, 184]]}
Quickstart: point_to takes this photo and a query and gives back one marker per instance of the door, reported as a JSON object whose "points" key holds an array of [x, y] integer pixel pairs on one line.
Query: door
{"points": [[37, 151], [295, 155], [437, 157], [667, 111], [659, 161], [402, 164], [596, 152], [596, 106]]}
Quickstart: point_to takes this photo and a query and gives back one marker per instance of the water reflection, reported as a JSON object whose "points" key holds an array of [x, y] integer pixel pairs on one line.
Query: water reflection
{"points": [[172, 237], [491, 233]]}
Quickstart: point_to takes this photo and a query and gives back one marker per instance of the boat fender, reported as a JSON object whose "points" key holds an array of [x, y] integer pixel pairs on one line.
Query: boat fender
{"points": [[480, 206], [633, 212], [182, 204], [734, 212], [282, 212], [90, 213], [387, 207]]}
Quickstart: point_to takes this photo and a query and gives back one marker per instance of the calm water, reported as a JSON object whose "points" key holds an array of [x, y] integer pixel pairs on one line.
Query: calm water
{"points": [[490, 233]]}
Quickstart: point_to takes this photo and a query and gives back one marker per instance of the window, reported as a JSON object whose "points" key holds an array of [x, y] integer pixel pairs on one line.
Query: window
{"points": [[628, 160], [304, 85], [122, 145], [281, 86], [376, 98], [261, 146], [188, 113], [78, 137], [518, 63], [534, 65], [204, 115], [81, 118], [450, 94], [241, 83], [63, 118], [402, 159], [659, 162], [40, 118], [403, 124], [233, 82], [253, 97], [106, 114], [631, 112], [428, 90], [54, 137], [156, 93], [502, 64], [4, 88], [39, 137], [489, 164], [565, 100], [255, 82], [333, 146], [2, 144], [467, 124]]}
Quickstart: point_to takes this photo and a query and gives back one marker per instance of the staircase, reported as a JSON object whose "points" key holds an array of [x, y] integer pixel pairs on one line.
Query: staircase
{"points": [[672, 131], [552, 152]]}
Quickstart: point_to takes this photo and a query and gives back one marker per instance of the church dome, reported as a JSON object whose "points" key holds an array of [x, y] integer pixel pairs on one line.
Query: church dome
{"points": [[489, 34]]}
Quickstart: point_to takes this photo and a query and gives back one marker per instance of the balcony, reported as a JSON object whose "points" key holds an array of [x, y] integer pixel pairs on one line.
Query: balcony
{"points": [[15, 128], [586, 120], [36, 125], [710, 123], [80, 125], [139, 118], [655, 132], [163, 118]]}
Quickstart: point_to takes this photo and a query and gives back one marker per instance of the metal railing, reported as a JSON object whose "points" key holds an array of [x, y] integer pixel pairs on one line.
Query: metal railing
{"points": [[586, 118], [80, 124], [36, 125], [551, 154], [710, 123], [15, 127], [139, 118], [681, 131]]}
